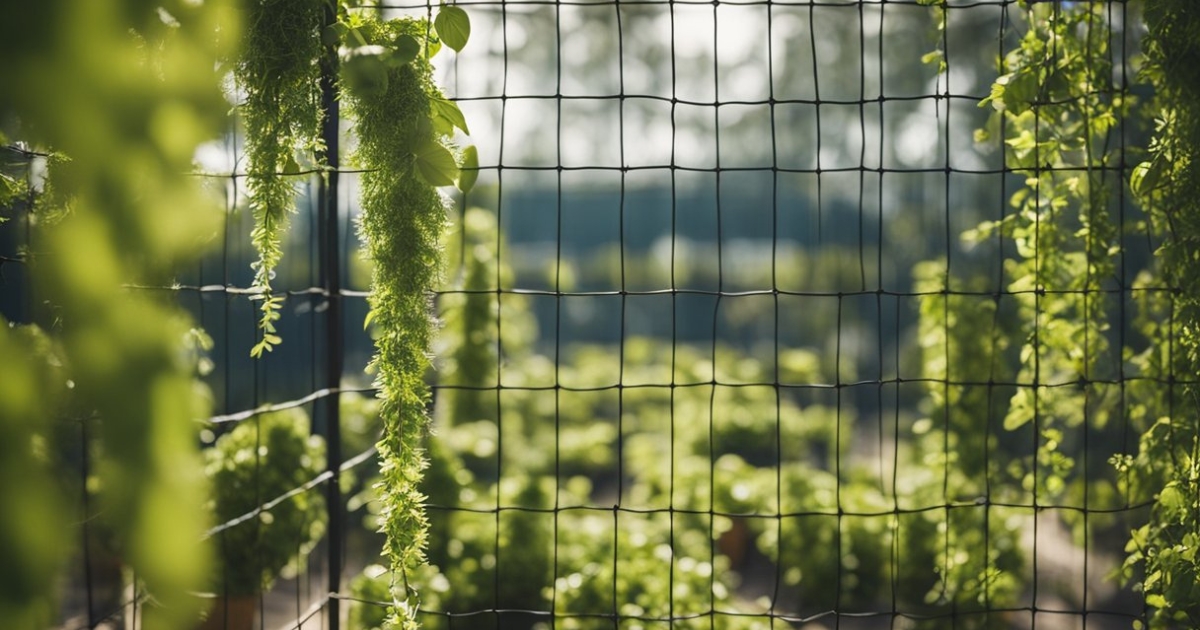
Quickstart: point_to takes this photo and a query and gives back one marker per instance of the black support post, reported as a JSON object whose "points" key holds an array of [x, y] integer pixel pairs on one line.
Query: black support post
{"points": [[331, 277]]}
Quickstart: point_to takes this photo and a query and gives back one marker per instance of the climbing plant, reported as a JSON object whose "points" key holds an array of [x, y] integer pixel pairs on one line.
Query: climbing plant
{"points": [[1057, 105], [403, 125], [1058, 113], [279, 73], [1166, 468]]}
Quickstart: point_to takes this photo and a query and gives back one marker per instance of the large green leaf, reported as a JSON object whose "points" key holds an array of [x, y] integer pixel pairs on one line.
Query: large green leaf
{"points": [[1146, 177], [453, 26], [436, 164], [470, 169], [449, 111], [406, 48], [365, 73]]}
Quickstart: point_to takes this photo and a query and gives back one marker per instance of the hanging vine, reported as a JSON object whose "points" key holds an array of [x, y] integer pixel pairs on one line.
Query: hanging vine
{"points": [[280, 75], [1166, 469], [403, 124], [1060, 112]]}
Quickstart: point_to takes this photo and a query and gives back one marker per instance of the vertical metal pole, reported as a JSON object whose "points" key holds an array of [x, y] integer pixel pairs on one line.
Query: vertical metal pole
{"points": [[331, 272]]}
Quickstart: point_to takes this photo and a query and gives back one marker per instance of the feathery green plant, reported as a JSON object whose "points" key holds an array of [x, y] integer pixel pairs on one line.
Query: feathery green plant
{"points": [[280, 74], [403, 124]]}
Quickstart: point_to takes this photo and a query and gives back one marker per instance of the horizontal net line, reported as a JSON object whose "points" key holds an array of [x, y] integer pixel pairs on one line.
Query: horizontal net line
{"points": [[832, 4], [1170, 380], [347, 465], [318, 291], [250, 291], [769, 614], [290, 404], [759, 168], [981, 502]]}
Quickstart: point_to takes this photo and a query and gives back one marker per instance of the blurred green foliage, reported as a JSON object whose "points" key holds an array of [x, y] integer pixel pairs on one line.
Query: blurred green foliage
{"points": [[125, 91], [32, 530], [718, 480], [258, 461]]}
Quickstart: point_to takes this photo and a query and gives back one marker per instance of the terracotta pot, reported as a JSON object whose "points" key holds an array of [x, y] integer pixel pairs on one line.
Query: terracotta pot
{"points": [[235, 612]]}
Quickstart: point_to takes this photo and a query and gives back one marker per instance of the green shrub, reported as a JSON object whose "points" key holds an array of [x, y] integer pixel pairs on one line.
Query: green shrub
{"points": [[257, 462]]}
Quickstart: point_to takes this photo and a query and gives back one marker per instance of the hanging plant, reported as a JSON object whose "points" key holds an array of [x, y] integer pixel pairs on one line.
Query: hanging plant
{"points": [[280, 75], [404, 125]]}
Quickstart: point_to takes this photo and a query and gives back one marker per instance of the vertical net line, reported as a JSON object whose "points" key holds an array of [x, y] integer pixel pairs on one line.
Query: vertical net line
{"points": [[716, 310], [812, 43], [624, 301], [893, 518], [862, 144], [1126, 292], [1089, 293], [1037, 323], [331, 281], [995, 331], [947, 291], [559, 301], [775, 307], [226, 219], [500, 206], [674, 293]]}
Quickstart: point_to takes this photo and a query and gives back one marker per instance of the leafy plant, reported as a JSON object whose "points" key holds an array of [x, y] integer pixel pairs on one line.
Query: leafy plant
{"points": [[279, 73], [1165, 470], [259, 461], [401, 120], [28, 540], [134, 92], [1059, 110]]}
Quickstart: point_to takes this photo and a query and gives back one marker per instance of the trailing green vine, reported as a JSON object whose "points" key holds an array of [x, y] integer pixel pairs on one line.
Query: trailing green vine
{"points": [[280, 74], [1059, 109], [1166, 469], [403, 124]]}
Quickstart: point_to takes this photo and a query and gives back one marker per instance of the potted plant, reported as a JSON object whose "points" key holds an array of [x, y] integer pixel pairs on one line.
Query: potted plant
{"points": [[255, 463]]}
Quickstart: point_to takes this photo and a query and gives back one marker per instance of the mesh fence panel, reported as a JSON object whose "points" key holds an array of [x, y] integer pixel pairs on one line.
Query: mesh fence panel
{"points": [[714, 350]]}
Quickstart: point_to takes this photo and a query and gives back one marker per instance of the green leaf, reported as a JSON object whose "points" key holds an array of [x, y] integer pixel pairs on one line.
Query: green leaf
{"points": [[263, 345], [332, 34], [470, 169], [365, 74], [1172, 500], [1146, 177], [453, 26], [436, 164], [406, 48], [449, 110], [1020, 92]]}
